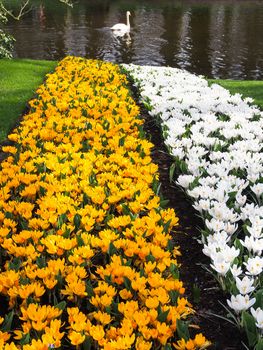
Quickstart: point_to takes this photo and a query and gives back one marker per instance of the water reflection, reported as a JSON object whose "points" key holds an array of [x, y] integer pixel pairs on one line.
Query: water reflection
{"points": [[217, 43], [217, 39], [183, 57]]}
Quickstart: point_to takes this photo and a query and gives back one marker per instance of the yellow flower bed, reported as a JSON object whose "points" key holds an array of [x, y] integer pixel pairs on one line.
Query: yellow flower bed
{"points": [[87, 259]]}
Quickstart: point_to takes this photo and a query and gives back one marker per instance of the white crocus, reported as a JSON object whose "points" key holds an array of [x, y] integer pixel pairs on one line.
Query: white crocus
{"points": [[245, 285], [230, 228], [185, 180], [253, 245], [240, 200], [255, 231], [220, 265], [257, 189], [215, 225], [236, 270], [240, 302], [202, 205], [254, 266], [258, 315]]}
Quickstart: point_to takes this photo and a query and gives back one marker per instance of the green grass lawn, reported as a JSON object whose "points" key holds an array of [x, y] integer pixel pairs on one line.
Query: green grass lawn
{"points": [[19, 78], [247, 88]]}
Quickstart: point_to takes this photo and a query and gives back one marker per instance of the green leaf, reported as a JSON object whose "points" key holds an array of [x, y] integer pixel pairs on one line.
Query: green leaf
{"points": [[170, 245], [249, 325], [174, 296], [8, 322], [15, 264], [167, 226], [9, 215], [182, 330], [125, 209], [108, 280], [127, 283], [112, 249], [61, 305], [164, 203], [77, 221], [25, 339], [174, 271], [171, 171], [259, 299], [85, 198], [259, 345], [167, 347], [150, 257], [89, 288], [163, 316], [80, 241], [62, 219], [41, 262], [121, 141], [196, 293], [86, 345]]}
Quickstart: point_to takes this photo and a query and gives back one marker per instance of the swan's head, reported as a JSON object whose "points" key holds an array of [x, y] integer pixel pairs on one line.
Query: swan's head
{"points": [[128, 13]]}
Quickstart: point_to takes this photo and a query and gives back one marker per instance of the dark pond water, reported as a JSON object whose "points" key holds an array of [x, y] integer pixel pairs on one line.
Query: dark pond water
{"points": [[220, 39]]}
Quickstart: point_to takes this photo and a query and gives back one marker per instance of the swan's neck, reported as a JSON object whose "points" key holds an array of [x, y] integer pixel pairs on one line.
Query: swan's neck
{"points": [[128, 20]]}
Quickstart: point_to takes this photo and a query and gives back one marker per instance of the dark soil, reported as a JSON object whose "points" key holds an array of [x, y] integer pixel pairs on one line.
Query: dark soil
{"points": [[221, 333]]}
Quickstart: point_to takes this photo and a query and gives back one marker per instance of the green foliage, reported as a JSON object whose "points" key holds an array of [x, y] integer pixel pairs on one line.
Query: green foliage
{"points": [[6, 44], [249, 325], [7, 40]]}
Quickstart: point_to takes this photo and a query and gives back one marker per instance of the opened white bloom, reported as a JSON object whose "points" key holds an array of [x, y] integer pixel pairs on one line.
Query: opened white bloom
{"points": [[236, 270], [219, 238], [202, 205], [215, 225], [185, 180], [219, 264], [253, 245], [254, 266], [257, 189], [245, 285], [240, 302], [258, 315]]}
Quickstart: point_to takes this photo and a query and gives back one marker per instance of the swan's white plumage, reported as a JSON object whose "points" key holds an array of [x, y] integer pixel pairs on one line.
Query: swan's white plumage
{"points": [[121, 27]]}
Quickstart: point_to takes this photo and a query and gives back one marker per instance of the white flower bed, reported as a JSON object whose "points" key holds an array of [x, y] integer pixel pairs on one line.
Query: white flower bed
{"points": [[216, 139]]}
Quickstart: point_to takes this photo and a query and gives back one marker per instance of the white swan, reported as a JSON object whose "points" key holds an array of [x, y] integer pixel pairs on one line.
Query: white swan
{"points": [[122, 28]]}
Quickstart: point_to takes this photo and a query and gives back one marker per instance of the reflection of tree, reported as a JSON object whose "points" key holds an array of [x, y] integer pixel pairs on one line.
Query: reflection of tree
{"points": [[42, 16], [183, 56], [75, 34], [217, 27], [237, 49]]}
